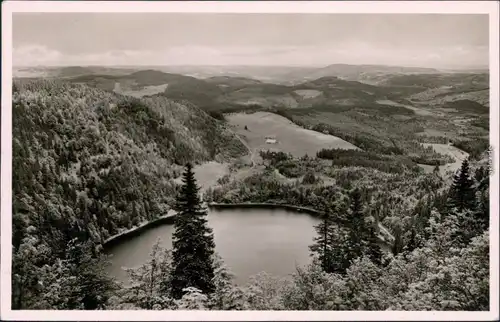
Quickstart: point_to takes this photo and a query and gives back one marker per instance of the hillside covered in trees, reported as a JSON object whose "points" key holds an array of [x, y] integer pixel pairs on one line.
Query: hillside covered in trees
{"points": [[443, 265], [89, 163], [385, 116], [92, 163]]}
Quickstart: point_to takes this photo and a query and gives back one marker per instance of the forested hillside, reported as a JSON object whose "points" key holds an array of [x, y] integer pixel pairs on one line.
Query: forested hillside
{"points": [[89, 163], [387, 118], [440, 263]]}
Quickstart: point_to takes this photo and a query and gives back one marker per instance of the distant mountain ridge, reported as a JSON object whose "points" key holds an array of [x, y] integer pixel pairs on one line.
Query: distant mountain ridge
{"points": [[262, 73], [295, 87]]}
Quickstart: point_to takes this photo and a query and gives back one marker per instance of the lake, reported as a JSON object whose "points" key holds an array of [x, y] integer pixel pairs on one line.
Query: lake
{"points": [[250, 240]]}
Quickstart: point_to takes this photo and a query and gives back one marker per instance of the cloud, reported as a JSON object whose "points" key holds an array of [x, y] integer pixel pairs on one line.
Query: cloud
{"points": [[34, 55], [349, 52]]}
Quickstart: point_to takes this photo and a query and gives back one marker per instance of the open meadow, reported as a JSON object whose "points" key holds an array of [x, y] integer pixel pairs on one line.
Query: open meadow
{"points": [[290, 138], [452, 151]]}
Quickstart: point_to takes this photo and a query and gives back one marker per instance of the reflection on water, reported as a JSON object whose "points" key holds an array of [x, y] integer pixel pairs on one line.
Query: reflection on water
{"points": [[249, 240]]}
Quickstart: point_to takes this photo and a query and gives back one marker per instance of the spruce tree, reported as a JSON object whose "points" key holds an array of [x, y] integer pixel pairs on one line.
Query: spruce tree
{"points": [[462, 204], [397, 246], [413, 242], [483, 211], [371, 243], [340, 259], [462, 193], [193, 243], [363, 240], [323, 243], [357, 222], [483, 208]]}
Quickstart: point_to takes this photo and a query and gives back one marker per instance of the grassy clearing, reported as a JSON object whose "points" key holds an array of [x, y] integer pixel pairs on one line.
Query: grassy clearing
{"points": [[290, 137], [452, 151], [208, 173]]}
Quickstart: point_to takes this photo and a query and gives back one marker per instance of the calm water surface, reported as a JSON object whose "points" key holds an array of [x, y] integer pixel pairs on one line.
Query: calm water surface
{"points": [[249, 240]]}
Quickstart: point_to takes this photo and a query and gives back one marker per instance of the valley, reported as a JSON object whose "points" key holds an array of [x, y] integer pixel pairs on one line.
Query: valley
{"points": [[100, 152], [338, 110], [175, 159]]}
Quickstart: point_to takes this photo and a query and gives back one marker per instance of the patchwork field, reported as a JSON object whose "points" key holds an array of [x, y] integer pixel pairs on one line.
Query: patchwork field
{"points": [[290, 137]]}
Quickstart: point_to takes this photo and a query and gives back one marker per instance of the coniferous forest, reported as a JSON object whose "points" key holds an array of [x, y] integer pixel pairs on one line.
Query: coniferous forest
{"points": [[89, 164], [170, 160]]}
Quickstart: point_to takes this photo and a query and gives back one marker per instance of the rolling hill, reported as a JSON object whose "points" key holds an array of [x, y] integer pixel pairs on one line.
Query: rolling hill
{"points": [[100, 153], [223, 93], [352, 72], [97, 143], [232, 82]]}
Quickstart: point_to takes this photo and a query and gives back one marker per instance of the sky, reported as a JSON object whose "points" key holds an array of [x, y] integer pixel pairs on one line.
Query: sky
{"points": [[424, 40]]}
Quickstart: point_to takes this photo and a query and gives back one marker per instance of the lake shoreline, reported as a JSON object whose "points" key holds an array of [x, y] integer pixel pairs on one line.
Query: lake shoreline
{"points": [[169, 219], [257, 205], [116, 239]]}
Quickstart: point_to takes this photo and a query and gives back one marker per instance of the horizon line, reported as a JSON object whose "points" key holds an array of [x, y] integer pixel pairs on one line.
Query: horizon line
{"points": [[471, 67]]}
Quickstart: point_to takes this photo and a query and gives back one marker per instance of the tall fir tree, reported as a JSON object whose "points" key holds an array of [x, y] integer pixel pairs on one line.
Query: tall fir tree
{"points": [[483, 208], [483, 211], [357, 222], [398, 245], [371, 243], [323, 242], [193, 242], [462, 193], [413, 241], [462, 203], [331, 241], [363, 239]]}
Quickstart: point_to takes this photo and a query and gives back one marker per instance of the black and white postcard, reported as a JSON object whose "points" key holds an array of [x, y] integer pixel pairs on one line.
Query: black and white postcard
{"points": [[249, 160]]}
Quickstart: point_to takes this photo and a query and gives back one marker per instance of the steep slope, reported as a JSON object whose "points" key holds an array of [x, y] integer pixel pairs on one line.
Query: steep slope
{"points": [[86, 161]]}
